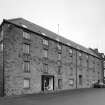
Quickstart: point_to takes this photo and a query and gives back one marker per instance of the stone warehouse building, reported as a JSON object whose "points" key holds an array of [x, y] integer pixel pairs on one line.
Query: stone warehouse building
{"points": [[34, 60]]}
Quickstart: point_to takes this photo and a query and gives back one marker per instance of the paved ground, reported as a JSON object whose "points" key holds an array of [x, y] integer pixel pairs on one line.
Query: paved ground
{"points": [[74, 97]]}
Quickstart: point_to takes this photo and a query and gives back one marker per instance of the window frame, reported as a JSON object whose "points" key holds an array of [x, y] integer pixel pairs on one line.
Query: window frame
{"points": [[60, 83], [45, 41], [45, 53], [26, 66], [71, 79], [26, 35], [59, 56], [45, 68], [59, 46], [1, 46], [26, 87], [26, 48]]}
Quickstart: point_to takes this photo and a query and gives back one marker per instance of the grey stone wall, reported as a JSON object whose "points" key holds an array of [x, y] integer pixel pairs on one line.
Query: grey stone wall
{"points": [[72, 66], [1, 64]]}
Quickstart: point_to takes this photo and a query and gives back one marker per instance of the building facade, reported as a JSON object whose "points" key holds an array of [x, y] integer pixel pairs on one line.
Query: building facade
{"points": [[34, 60], [102, 57]]}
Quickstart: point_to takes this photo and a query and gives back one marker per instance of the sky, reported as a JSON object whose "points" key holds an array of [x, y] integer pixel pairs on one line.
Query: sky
{"points": [[82, 21]]}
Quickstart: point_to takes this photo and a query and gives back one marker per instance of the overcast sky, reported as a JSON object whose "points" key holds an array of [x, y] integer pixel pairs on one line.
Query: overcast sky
{"points": [[82, 21]]}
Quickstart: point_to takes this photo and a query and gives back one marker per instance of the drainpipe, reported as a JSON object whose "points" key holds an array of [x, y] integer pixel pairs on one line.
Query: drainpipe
{"points": [[76, 69]]}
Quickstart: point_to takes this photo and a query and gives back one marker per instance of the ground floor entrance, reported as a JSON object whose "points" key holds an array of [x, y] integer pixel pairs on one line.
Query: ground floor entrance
{"points": [[47, 82]]}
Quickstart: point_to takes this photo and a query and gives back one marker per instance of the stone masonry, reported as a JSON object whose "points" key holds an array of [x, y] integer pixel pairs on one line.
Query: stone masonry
{"points": [[77, 65]]}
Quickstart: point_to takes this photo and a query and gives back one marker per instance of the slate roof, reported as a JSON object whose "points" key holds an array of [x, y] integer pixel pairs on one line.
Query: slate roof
{"points": [[38, 29]]}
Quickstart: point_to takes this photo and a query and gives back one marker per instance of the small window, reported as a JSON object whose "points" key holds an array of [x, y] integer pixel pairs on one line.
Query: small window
{"points": [[71, 82], [26, 48], [1, 45], [60, 83], [24, 26], [26, 35], [43, 34], [80, 54], [45, 53], [59, 56], [59, 63], [104, 64], [26, 66], [45, 42], [59, 46], [2, 33], [26, 83], [104, 73], [45, 68], [59, 69], [87, 57], [71, 71], [70, 51]]}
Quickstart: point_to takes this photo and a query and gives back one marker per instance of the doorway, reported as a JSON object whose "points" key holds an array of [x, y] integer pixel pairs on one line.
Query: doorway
{"points": [[80, 80], [47, 83]]}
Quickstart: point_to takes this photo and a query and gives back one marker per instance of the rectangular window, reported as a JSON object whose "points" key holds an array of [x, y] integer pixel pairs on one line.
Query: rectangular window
{"points": [[60, 83], [87, 57], [45, 42], [70, 51], [1, 37], [71, 82], [26, 48], [71, 71], [104, 64], [26, 35], [45, 68], [1, 46], [59, 56], [104, 73], [26, 83], [59, 63], [59, 46], [80, 54], [26, 66], [59, 69], [45, 53]]}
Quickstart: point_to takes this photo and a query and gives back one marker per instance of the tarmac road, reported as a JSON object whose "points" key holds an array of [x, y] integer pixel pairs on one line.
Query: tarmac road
{"points": [[70, 97]]}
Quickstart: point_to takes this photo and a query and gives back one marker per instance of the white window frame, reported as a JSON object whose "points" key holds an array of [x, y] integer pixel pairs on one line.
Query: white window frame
{"points": [[80, 54], [26, 83], [70, 50], [59, 56], [45, 67], [60, 83], [26, 35], [71, 81], [45, 42], [1, 45], [59, 46], [45, 53], [26, 66], [26, 48]]}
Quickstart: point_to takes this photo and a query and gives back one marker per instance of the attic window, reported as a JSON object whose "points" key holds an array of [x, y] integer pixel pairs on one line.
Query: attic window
{"points": [[43, 34], [68, 44], [24, 26], [57, 39]]}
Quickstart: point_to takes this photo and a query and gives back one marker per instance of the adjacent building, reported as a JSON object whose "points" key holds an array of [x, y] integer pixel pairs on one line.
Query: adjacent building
{"points": [[34, 59]]}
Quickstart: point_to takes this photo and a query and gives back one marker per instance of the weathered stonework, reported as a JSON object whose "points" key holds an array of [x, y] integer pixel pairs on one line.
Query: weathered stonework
{"points": [[72, 66]]}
